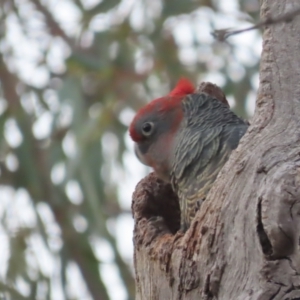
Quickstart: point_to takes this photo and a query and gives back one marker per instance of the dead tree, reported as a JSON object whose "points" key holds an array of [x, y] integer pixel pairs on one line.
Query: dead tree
{"points": [[244, 241]]}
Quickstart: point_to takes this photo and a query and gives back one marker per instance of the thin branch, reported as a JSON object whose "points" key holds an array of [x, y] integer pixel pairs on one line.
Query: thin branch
{"points": [[11, 291], [53, 25], [8, 83], [223, 34]]}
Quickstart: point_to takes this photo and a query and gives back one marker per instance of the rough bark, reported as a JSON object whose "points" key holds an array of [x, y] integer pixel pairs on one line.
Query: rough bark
{"points": [[244, 241]]}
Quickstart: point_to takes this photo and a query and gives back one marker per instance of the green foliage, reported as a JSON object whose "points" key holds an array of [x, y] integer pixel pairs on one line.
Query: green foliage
{"points": [[112, 58]]}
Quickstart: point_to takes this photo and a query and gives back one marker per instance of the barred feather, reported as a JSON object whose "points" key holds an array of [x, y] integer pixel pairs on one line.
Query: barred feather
{"points": [[208, 134]]}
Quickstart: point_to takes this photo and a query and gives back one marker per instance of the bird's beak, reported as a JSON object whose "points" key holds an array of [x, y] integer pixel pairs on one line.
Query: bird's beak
{"points": [[139, 155]]}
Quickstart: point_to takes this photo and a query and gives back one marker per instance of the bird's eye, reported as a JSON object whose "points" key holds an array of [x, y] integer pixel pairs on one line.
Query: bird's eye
{"points": [[147, 128]]}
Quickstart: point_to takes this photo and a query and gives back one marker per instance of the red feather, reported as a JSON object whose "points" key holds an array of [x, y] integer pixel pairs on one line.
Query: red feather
{"points": [[182, 88]]}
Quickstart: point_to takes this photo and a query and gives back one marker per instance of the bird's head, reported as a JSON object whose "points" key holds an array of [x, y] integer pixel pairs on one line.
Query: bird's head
{"points": [[154, 128]]}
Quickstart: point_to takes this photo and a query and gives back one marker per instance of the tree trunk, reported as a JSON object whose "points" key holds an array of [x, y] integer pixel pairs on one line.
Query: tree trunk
{"points": [[244, 241]]}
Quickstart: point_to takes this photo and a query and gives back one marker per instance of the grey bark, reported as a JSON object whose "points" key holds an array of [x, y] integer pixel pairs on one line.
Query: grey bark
{"points": [[244, 241]]}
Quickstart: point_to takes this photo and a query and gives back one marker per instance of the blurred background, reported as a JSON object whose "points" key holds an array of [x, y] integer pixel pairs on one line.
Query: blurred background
{"points": [[72, 75]]}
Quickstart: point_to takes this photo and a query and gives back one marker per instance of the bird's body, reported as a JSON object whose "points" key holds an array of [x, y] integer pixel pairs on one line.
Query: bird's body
{"points": [[209, 132], [187, 138]]}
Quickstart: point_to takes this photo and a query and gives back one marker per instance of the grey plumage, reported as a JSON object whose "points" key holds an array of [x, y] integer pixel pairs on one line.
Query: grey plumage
{"points": [[207, 135]]}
